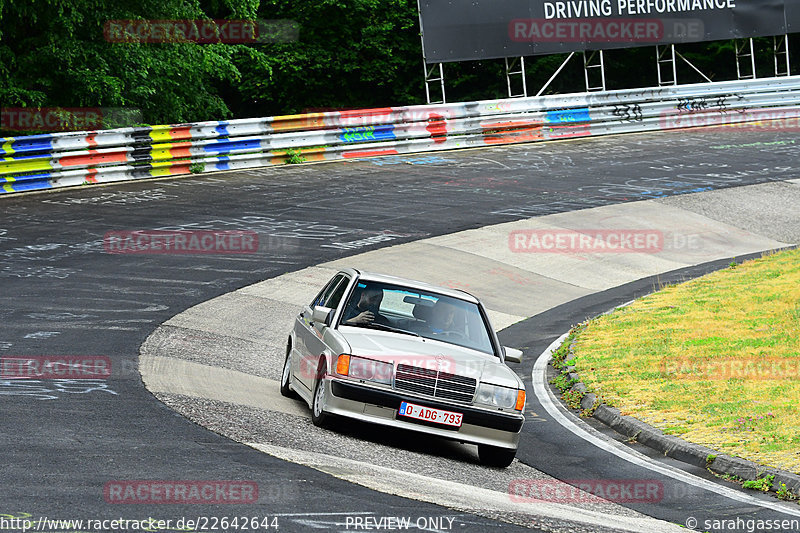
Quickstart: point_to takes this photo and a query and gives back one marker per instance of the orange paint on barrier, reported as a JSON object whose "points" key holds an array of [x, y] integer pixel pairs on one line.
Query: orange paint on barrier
{"points": [[93, 157], [183, 132], [180, 150], [370, 153], [180, 169], [297, 122], [523, 135]]}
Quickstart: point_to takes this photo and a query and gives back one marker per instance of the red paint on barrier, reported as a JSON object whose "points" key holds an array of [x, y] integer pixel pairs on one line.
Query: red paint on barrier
{"points": [[437, 127]]}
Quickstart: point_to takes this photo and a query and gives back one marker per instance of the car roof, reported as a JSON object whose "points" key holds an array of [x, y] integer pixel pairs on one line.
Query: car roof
{"points": [[412, 284]]}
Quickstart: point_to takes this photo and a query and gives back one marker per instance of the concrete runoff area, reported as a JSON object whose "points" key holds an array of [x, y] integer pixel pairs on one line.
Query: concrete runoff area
{"points": [[178, 359]]}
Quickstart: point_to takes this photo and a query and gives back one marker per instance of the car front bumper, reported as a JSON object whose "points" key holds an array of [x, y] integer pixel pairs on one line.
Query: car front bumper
{"points": [[379, 406]]}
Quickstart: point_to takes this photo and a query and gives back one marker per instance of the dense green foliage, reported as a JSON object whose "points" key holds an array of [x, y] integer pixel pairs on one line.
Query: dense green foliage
{"points": [[349, 54]]}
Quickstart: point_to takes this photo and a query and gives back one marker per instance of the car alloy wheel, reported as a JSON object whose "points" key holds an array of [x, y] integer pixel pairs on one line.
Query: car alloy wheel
{"points": [[318, 415], [286, 375]]}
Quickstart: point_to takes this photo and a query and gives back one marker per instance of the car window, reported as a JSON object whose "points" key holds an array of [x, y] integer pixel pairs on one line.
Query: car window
{"points": [[428, 314], [322, 298], [336, 296]]}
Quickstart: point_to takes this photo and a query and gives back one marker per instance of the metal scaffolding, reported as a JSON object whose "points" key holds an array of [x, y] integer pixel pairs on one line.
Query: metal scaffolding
{"points": [[432, 75], [745, 52], [519, 64], [594, 61]]}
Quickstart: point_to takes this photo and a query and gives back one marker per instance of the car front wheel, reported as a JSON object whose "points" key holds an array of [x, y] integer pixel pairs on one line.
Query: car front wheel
{"points": [[318, 415], [494, 456], [286, 375]]}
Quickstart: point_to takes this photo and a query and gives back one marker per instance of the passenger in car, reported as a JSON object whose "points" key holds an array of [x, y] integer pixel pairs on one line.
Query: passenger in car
{"points": [[367, 310]]}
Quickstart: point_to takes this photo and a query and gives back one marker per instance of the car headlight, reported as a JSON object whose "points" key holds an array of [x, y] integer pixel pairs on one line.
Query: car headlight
{"points": [[503, 397], [363, 368]]}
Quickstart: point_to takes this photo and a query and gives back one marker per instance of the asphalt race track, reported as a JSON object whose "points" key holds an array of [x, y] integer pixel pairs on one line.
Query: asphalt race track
{"points": [[63, 441]]}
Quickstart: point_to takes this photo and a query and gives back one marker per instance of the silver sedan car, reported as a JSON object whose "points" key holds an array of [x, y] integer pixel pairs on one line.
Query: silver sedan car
{"points": [[409, 355]]}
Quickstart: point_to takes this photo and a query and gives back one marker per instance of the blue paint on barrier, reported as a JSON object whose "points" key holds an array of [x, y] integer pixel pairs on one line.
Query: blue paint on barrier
{"points": [[233, 146], [222, 129], [28, 177], [30, 143], [559, 116], [368, 134]]}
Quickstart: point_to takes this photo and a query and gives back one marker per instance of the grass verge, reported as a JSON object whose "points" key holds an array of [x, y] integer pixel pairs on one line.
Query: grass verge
{"points": [[715, 360]]}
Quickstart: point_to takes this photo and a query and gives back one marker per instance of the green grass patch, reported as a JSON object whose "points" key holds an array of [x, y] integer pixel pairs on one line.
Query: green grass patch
{"points": [[715, 360]]}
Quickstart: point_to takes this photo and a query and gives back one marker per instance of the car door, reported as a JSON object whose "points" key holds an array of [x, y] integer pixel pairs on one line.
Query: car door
{"points": [[310, 334]]}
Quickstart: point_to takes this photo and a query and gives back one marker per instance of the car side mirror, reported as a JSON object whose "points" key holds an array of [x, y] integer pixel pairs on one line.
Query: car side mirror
{"points": [[512, 354], [322, 314]]}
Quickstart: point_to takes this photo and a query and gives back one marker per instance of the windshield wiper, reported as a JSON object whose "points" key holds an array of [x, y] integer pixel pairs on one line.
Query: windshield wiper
{"points": [[384, 327]]}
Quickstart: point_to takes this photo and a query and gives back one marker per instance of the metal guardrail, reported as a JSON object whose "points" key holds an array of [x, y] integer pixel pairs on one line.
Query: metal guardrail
{"points": [[75, 158]]}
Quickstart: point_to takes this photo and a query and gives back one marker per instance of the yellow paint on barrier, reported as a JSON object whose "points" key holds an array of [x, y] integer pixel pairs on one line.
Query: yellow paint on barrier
{"points": [[158, 172], [7, 145], [161, 133], [14, 166]]}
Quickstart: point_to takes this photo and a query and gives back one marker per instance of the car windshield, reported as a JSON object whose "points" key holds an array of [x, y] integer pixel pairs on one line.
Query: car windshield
{"points": [[417, 312]]}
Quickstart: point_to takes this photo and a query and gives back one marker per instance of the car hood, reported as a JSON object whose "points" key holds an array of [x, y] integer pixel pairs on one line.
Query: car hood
{"points": [[399, 348]]}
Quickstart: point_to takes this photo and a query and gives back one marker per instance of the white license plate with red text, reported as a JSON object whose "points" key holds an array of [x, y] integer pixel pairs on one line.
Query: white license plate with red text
{"points": [[429, 414]]}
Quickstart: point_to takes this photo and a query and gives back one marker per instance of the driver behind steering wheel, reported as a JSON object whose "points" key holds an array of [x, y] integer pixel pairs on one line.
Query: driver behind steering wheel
{"points": [[445, 319]]}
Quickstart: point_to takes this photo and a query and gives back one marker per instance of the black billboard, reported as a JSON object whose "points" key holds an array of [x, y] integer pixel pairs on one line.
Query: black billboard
{"points": [[463, 30]]}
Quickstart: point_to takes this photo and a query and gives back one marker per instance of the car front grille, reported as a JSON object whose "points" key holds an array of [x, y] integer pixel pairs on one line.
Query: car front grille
{"points": [[434, 383]]}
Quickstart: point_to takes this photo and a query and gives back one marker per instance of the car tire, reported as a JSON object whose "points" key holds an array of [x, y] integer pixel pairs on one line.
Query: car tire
{"points": [[494, 456], [286, 374], [318, 415]]}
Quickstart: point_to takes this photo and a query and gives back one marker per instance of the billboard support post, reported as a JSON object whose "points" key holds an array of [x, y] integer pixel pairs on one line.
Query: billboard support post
{"points": [[555, 74], [693, 67], [594, 61], [780, 47], [520, 63], [745, 51], [671, 77], [433, 75]]}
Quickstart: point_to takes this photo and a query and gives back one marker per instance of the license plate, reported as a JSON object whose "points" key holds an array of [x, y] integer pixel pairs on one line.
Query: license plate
{"points": [[429, 414]]}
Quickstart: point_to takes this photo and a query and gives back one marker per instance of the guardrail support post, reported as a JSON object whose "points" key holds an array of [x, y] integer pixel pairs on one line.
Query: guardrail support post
{"points": [[744, 50], [780, 47], [671, 77], [591, 62], [520, 63], [432, 75]]}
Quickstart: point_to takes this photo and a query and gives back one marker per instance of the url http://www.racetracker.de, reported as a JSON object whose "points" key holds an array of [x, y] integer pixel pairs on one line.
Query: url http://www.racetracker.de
{"points": [[10, 523]]}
